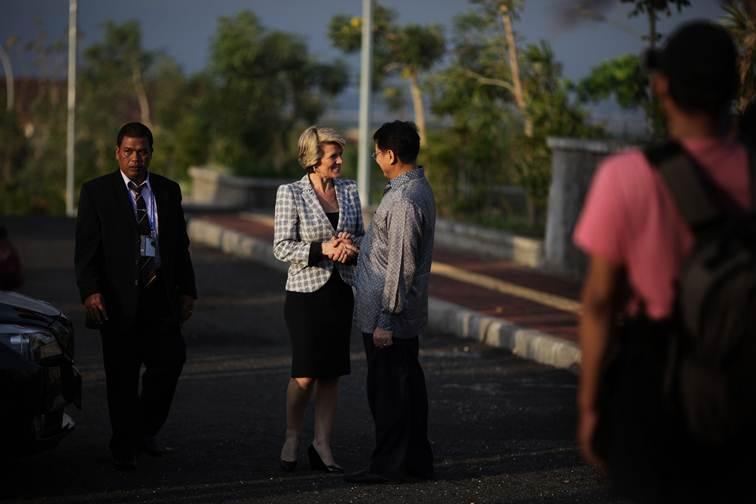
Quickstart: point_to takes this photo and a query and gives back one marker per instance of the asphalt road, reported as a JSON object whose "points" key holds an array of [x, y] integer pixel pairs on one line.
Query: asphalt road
{"points": [[501, 427]]}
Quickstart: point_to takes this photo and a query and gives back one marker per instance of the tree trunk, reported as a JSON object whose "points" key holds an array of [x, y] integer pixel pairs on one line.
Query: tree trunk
{"points": [[514, 66], [9, 81], [141, 94], [417, 105]]}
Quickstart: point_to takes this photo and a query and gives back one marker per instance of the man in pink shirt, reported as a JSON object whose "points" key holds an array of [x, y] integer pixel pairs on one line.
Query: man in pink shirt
{"points": [[635, 237]]}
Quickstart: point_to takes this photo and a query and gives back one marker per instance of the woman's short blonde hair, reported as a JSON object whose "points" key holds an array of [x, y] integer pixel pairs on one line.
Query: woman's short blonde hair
{"points": [[311, 145]]}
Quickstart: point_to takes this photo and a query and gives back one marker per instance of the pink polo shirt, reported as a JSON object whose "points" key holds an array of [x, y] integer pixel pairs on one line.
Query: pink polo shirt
{"points": [[630, 219]]}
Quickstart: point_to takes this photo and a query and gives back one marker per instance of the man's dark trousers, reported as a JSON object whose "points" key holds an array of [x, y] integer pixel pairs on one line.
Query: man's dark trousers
{"points": [[398, 400], [155, 341]]}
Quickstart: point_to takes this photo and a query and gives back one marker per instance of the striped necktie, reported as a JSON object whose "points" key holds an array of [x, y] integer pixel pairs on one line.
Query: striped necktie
{"points": [[147, 265]]}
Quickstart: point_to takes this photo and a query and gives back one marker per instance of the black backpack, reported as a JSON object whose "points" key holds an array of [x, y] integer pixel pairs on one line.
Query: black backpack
{"points": [[712, 373]]}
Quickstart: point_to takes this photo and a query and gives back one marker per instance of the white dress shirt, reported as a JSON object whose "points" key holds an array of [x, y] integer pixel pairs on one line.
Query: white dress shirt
{"points": [[149, 201]]}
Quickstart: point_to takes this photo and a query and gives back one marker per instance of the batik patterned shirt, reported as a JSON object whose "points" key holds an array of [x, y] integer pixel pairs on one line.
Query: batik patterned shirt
{"points": [[393, 268]]}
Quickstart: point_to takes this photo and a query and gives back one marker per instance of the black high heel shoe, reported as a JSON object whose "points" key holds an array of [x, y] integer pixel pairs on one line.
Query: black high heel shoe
{"points": [[288, 465], [317, 464]]}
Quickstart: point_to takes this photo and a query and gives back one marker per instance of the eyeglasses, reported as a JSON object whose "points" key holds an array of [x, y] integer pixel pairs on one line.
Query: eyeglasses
{"points": [[142, 153], [373, 155]]}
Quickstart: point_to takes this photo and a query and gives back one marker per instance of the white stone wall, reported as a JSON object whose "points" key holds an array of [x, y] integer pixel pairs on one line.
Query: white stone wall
{"points": [[219, 190]]}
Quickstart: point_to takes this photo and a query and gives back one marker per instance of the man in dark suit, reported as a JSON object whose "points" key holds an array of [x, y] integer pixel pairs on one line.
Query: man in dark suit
{"points": [[136, 280]]}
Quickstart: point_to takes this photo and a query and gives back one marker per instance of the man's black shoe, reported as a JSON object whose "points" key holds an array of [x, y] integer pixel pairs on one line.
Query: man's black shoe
{"points": [[151, 447], [124, 461], [367, 478]]}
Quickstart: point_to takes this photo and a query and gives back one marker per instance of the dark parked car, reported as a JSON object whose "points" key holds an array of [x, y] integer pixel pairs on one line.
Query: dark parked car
{"points": [[38, 378]]}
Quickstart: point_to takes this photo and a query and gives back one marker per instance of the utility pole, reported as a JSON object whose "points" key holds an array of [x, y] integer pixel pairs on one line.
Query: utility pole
{"points": [[366, 77], [71, 121]]}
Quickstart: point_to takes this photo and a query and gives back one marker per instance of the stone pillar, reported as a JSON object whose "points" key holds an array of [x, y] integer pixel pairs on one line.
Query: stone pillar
{"points": [[573, 164]]}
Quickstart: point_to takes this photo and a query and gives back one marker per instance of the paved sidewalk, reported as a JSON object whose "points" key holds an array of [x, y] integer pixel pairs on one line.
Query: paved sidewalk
{"points": [[495, 301]]}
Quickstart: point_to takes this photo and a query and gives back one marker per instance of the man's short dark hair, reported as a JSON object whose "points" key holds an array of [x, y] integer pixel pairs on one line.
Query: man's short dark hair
{"points": [[134, 130], [700, 62], [400, 137]]}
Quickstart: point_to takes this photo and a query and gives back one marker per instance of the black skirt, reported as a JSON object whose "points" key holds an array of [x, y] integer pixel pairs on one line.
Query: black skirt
{"points": [[320, 324]]}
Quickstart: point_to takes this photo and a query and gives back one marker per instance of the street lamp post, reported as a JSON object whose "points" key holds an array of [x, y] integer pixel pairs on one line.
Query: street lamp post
{"points": [[366, 64], [71, 120]]}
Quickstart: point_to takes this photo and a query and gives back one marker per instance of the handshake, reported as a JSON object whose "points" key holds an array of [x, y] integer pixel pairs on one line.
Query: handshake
{"points": [[340, 248]]}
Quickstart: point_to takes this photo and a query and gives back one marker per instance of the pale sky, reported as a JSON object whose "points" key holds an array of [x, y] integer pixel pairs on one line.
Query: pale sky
{"points": [[184, 28]]}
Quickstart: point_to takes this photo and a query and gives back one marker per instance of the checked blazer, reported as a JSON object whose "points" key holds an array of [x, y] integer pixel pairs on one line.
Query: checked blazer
{"points": [[300, 221]]}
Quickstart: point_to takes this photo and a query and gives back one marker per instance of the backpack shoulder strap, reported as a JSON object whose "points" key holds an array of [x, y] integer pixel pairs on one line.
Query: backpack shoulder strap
{"points": [[683, 178], [751, 148]]}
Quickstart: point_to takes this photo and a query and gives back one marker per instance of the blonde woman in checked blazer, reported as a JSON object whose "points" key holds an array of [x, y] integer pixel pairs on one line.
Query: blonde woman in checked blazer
{"points": [[318, 228]]}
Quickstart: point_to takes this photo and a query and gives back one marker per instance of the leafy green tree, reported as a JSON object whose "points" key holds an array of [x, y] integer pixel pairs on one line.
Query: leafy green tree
{"points": [[408, 51], [120, 81], [488, 143], [121, 61], [554, 113], [13, 152], [265, 88], [740, 20], [624, 78], [245, 111], [542, 99], [33, 150], [182, 118], [474, 91], [652, 9], [508, 11], [112, 89]]}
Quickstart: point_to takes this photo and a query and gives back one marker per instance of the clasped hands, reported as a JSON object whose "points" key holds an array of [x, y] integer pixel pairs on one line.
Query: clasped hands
{"points": [[340, 248]]}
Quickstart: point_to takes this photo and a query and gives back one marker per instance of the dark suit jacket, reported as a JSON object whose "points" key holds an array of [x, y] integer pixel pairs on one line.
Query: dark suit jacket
{"points": [[107, 244]]}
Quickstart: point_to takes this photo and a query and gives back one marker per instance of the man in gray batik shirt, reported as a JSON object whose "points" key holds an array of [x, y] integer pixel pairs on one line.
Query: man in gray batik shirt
{"points": [[391, 302]]}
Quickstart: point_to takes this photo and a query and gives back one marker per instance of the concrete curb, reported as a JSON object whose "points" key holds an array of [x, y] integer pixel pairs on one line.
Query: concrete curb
{"points": [[233, 242], [531, 344], [444, 317]]}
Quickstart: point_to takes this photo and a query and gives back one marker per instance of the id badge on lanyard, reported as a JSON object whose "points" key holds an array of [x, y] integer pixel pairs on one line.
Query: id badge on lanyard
{"points": [[147, 246]]}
